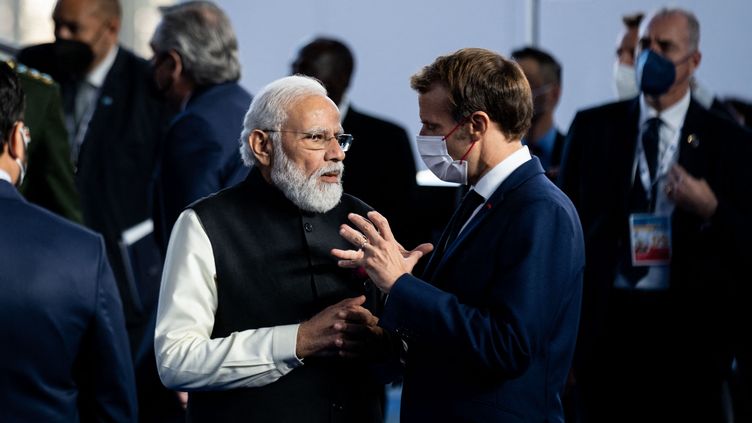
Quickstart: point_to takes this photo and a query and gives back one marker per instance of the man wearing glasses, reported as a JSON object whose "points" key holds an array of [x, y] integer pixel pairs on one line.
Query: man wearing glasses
{"points": [[255, 319], [663, 189]]}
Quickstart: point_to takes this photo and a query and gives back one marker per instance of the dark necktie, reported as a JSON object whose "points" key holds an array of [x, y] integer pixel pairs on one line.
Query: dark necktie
{"points": [[650, 138], [638, 201], [471, 202]]}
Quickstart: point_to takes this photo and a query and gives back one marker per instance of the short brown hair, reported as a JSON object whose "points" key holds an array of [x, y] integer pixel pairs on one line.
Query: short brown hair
{"points": [[481, 80]]}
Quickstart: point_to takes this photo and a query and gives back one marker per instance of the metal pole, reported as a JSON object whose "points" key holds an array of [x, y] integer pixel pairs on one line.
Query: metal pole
{"points": [[532, 22]]}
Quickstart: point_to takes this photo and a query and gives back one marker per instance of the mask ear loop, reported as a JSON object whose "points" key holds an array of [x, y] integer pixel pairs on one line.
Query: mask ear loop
{"points": [[456, 127], [462, 159], [462, 122]]}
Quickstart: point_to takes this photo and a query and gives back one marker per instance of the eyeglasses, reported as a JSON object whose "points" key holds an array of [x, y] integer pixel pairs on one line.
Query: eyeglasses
{"points": [[319, 140]]}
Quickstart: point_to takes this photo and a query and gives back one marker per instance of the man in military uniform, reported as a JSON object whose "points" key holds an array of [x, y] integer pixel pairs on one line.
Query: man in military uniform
{"points": [[49, 178]]}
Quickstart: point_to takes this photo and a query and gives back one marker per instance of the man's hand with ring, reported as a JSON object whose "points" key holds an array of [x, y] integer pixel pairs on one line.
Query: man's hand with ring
{"points": [[383, 258]]}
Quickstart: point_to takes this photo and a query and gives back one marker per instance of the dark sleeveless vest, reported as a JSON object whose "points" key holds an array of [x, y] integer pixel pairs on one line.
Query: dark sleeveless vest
{"points": [[274, 268]]}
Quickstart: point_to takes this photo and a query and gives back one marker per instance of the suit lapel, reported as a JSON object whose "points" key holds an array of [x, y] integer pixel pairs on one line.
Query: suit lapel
{"points": [[528, 170], [107, 103], [624, 149], [691, 140]]}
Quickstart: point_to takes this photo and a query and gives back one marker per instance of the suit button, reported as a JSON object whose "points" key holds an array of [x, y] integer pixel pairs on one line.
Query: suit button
{"points": [[308, 227]]}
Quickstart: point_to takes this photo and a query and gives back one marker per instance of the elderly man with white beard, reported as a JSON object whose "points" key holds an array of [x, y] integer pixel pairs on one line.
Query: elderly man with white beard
{"points": [[255, 318]]}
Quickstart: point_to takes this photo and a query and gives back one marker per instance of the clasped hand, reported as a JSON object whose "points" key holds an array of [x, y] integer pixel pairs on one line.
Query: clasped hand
{"points": [[345, 329], [383, 258]]}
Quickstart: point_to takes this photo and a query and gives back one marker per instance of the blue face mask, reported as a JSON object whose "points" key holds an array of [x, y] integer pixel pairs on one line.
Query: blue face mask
{"points": [[655, 73]]}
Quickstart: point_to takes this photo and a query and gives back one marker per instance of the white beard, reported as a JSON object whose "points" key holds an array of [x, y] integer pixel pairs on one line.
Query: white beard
{"points": [[308, 193]]}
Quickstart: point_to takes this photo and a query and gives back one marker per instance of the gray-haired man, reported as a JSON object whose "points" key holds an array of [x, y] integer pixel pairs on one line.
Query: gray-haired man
{"points": [[196, 69], [254, 314]]}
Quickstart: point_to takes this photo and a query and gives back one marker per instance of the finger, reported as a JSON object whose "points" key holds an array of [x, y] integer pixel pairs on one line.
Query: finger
{"points": [[424, 248], [349, 264], [349, 302], [675, 172], [381, 224], [360, 315], [679, 169], [346, 254], [366, 227], [352, 236], [352, 330]]}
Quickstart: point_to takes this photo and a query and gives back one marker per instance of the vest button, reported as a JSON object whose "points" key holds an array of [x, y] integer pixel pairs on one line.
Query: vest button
{"points": [[308, 227]]}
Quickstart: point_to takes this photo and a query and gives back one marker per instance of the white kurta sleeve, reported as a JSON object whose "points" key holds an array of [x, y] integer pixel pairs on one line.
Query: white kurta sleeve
{"points": [[187, 358]]}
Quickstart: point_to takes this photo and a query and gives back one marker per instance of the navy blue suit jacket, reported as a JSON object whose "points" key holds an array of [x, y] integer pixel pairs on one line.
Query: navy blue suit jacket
{"points": [[201, 151], [65, 354], [491, 325]]}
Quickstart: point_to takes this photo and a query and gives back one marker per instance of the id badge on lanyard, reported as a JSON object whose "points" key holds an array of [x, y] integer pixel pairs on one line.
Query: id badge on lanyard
{"points": [[650, 233], [650, 239]]}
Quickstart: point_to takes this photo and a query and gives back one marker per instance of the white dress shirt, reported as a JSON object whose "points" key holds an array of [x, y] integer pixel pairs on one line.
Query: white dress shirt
{"points": [[672, 120], [187, 358], [86, 101], [493, 179], [5, 176]]}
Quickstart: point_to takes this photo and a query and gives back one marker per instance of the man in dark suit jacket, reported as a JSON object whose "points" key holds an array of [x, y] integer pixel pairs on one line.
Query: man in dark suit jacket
{"points": [[197, 69], [65, 354], [491, 325], [654, 343], [115, 121], [389, 188], [543, 72]]}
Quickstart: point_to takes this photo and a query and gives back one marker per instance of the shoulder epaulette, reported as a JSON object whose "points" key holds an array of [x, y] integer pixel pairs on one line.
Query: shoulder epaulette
{"points": [[22, 69]]}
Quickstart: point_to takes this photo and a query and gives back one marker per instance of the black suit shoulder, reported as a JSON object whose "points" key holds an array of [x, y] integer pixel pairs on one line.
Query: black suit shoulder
{"points": [[361, 120], [606, 110]]}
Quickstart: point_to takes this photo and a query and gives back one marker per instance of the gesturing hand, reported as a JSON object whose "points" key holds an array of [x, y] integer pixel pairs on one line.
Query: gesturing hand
{"points": [[384, 259]]}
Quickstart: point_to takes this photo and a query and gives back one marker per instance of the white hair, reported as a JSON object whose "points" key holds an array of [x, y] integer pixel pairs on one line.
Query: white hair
{"points": [[201, 33], [269, 108]]}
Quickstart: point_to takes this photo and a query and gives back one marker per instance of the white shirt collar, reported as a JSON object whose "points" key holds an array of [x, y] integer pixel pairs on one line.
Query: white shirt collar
{"points": [[5, 176], [673, 116], [98, 74], [494, 178]]}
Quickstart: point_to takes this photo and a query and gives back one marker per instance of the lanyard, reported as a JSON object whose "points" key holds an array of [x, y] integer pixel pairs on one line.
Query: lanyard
{"points": [[665, 161]]}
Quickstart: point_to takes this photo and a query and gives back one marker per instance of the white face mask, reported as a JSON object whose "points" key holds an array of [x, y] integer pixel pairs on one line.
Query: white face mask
{"points": [[625, 81], [433, 151]]}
